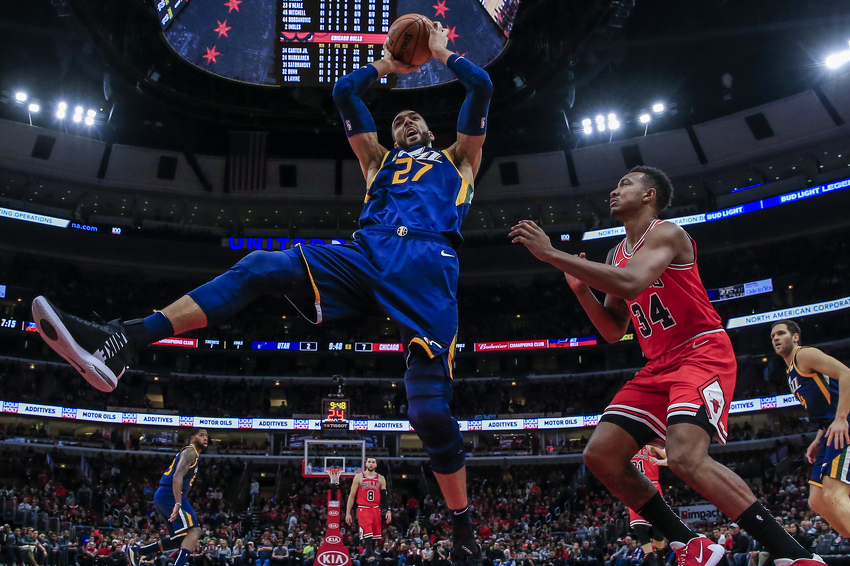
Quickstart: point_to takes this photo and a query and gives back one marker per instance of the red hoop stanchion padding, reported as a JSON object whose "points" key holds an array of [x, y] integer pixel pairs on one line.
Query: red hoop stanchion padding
{"points": [[332, 552]]}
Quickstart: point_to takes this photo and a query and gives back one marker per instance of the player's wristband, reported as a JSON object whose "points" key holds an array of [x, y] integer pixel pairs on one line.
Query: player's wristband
{"points": [[178, 505], [346, 95], [472, 119]]}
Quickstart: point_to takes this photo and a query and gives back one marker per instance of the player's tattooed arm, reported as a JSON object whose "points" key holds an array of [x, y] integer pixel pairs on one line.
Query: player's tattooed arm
{"points": [[811, 360], [188, 457]]}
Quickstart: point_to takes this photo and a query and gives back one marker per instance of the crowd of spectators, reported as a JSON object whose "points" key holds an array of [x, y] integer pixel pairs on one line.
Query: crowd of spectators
{"points": [[530, 515]]}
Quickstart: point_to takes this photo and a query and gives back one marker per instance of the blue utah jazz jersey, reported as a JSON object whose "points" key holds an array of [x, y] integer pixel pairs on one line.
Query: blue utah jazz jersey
{"points": [[815, 391], [168, 477], [419, 188]]}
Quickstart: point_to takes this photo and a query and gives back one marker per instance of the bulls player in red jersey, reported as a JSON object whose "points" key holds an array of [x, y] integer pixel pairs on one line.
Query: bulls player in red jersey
{"points": [[369, 490], [681, 396], [647, 461]]}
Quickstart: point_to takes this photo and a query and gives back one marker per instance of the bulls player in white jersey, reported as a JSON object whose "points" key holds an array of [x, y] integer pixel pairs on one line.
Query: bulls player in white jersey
{"points": [[682, 396], [369, 491]]}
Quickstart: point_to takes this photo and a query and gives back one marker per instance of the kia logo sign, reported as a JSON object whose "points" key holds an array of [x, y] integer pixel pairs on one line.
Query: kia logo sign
{"points": [[332, 558], [333, 539], [333, 512], [333, 525]]}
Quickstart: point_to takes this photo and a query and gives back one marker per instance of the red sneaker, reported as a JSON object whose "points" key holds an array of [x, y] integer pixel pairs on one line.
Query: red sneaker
{"points": [[815, 560], [700, 551]]}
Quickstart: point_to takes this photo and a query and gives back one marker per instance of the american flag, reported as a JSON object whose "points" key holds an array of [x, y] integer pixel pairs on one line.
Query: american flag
{"points": [[246, 161]]}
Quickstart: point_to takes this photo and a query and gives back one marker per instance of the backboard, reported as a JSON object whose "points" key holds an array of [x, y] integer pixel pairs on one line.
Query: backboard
{"points": [[321, 454]]}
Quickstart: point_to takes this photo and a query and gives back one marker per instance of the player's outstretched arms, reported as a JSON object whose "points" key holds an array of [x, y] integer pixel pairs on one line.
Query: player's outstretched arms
{"points": [[359, 125], [664, 244], [810, 360], [472, 120]]}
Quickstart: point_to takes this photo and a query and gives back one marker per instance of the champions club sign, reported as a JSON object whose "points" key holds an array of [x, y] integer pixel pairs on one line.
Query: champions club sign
{"points": [[152, 419]]}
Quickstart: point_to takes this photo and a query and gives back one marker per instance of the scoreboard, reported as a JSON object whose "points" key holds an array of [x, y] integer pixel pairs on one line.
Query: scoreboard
{"points": [[319, 41], [312, 43]]}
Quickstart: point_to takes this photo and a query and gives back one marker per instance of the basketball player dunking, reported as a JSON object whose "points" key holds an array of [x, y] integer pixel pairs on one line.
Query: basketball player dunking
{"points": [[682, 395], [369, 489], [402, 264]]}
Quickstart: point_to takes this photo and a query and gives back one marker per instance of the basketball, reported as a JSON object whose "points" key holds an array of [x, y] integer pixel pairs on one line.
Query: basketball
{"points": [[407, 39]]}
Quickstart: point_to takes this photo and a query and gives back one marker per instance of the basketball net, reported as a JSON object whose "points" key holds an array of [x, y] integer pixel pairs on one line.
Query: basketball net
{"points": [[332, 552], [334, 474]]}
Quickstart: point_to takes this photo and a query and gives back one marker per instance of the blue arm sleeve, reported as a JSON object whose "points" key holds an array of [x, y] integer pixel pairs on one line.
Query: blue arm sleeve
{"points": [[472, 120], [347, 93]]}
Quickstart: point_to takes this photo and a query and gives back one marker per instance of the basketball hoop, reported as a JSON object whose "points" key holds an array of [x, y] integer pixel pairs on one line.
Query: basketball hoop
{"points": [[334, 474]]}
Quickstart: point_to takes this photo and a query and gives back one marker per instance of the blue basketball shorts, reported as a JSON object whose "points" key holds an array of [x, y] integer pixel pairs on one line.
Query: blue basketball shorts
{"points": [[163, 501], [408, 275], [831, 462]]}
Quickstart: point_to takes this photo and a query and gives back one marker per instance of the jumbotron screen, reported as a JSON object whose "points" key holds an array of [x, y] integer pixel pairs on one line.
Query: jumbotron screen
{"points": [[314, 42]]}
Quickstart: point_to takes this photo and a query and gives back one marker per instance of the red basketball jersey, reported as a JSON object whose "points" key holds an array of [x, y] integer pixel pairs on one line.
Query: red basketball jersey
{"points": [[369, 493], [672, 310], [646, 463]]}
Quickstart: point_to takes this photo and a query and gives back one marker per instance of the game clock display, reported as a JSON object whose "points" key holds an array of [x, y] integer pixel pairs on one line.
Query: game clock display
{"points": [[335, 412]]}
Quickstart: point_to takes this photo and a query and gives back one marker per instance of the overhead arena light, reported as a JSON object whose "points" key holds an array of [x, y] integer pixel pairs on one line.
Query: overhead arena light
{"points": [[588, 126], [658, 108], [78, 110], [34, 107], [613, 123], [838, 59], [89, 120], [91, 113], [645, 118], [78, 117], [21, 96], [600, 123]]}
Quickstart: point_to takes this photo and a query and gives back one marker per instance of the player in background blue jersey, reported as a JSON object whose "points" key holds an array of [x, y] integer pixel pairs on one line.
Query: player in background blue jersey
{"points": [[822, 385], [402, 264], [172, 504]]}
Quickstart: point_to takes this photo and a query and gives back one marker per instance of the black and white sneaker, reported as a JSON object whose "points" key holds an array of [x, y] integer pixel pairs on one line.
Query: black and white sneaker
{"points": [[100, 352], [465, 552]]}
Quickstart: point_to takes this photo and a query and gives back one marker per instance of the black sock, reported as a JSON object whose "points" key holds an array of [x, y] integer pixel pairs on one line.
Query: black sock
{"points": [[367, 548], [659, 514], [762, 526], [462, 525], [145, 331]]}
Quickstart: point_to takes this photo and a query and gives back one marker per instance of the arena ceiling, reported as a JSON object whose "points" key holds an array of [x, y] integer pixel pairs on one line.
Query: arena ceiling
{"points": [[566, 61]]}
